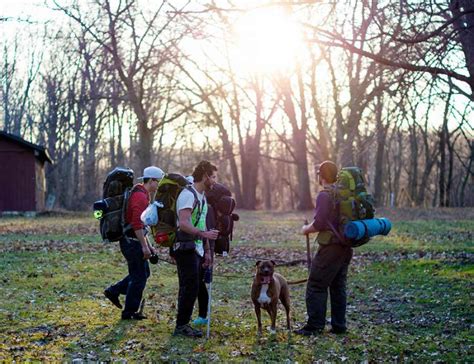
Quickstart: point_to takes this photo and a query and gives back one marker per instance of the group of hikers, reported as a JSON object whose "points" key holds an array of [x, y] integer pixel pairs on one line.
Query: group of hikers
{"points": [[193, 253]]}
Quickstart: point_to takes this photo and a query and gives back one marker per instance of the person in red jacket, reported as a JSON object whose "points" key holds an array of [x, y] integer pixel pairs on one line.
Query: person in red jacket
{"points": [[135, 248]]}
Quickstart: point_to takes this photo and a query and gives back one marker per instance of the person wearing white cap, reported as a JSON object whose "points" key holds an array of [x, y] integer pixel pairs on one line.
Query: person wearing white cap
{"points": [[135, 248]]}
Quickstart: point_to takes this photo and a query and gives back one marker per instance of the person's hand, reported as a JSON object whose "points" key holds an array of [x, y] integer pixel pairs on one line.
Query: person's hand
{"points": [[146, 252], [207, 259], [304, 229], [210, 234]]}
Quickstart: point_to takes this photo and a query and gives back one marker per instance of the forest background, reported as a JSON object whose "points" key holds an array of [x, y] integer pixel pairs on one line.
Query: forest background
{"points": [[264, 89]]}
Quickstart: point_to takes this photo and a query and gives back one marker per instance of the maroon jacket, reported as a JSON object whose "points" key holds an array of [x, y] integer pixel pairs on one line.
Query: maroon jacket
{"points": [[137, 203], [325, 212]]}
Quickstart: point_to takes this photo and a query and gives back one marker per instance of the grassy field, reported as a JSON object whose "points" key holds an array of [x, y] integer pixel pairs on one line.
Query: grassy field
{"points": [[410, 295]]}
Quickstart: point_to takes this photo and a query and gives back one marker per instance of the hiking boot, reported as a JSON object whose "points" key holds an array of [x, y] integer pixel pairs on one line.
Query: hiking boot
{"points": [[338, 330], [113, 298], [308, 331], [186, 330], [133, 316], [200, 321]]}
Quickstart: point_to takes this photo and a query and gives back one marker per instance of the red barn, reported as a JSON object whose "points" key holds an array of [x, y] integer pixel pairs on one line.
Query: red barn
{"points": [[22, 177]]}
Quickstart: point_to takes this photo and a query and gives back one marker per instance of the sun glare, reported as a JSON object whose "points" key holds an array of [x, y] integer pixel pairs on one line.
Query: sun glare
{"points": [[266, 41]]}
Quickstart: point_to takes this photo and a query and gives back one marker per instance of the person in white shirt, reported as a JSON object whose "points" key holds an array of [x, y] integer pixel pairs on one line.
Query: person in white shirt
{"points": [[192, 251]]}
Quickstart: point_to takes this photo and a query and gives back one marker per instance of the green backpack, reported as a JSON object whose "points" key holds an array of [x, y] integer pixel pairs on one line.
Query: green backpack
{"points": [[352, 201], [169, 188]]}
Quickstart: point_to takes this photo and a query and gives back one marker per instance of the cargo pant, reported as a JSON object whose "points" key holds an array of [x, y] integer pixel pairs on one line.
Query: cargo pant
{"points": [[328, 272]]}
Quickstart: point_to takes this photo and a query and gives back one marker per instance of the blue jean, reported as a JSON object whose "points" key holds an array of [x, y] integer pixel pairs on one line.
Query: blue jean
{"points": [[138, 272]]}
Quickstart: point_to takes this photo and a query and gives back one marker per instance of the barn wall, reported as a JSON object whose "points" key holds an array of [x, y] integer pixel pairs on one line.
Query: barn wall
{"points": [[17, 177]]}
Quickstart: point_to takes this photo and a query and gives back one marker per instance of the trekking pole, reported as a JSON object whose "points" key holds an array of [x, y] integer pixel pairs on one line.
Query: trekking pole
{"points": [[208, 280], [308, 249]]}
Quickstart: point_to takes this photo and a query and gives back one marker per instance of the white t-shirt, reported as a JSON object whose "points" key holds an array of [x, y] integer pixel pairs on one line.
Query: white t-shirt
{"points": [[186, 201]]}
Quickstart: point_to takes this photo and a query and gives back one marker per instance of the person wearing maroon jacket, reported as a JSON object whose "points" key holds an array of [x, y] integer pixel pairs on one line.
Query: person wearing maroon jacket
{"points": [[135, 248]]}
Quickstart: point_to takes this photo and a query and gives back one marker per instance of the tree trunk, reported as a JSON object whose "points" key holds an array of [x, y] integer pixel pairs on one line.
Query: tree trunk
{"points": [[443, 141], [379, 158], [250, 162], [250, 155], [464, 25], [469, 173], [449, 182], [299, 145], [323, 141], [413, 173]]}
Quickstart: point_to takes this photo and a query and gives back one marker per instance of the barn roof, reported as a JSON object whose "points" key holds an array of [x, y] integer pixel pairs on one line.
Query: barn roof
{"points": [[40, 152]]}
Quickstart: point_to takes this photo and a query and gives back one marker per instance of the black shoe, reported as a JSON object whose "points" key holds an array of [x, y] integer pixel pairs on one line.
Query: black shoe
{"points": [[308, 331], [338, 330], [133, 316], [186, 330], [113, 298]]}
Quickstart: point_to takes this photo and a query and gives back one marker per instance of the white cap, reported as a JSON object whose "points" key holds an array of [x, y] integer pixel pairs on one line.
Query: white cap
{"points": [[152, 172], [190, 179]]}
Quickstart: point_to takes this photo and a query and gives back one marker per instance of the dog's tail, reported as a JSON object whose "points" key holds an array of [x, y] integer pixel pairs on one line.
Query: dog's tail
{"points": [[297, 282]]}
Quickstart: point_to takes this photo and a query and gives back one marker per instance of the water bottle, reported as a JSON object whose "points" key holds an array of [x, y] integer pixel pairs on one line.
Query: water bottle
{"points": [[99, 209]]}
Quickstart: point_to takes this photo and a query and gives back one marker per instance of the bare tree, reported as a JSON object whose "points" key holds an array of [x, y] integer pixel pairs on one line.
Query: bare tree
{"points": [[140, 45]]}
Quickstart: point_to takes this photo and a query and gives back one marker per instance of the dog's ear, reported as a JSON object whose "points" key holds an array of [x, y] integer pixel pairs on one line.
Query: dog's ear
{"points": [[273, 262], [258, 262]]}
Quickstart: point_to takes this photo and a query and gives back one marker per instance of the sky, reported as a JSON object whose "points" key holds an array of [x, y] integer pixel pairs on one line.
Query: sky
{"points": [[24, 8], [257, 37]]}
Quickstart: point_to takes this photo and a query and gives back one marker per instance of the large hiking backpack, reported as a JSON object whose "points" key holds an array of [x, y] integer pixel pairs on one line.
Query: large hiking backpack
{"points": [[352, 202], [111, 209], [221, 216], [168, 191]]}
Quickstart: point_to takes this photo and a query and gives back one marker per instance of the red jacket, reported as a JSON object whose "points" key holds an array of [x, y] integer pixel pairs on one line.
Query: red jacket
{"points": [[137, 203]]}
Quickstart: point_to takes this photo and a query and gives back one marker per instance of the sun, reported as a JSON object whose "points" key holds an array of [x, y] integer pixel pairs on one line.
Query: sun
{"points": [[266, 41]]}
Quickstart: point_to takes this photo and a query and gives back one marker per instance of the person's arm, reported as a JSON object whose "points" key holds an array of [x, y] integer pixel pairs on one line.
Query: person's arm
{"points": [[137, 204], [207, 255], [186, 225], [308, 229], [144, 243], [321, 214]]}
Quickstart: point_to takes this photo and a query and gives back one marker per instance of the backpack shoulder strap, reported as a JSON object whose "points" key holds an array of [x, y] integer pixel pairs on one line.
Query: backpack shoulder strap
{"points": [[197, 204], [126, 227], [332, 190], [126, 196]]}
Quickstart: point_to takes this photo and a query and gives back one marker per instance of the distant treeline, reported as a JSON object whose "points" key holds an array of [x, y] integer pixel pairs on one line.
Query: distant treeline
{"points": [[385, 85]]}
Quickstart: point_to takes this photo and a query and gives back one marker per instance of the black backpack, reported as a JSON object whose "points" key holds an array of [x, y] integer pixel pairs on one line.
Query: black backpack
{"points": [[221, 217], [111, 209]]}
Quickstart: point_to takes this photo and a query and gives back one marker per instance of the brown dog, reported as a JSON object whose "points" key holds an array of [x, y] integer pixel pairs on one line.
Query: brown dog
{"points": [[268, 287]]}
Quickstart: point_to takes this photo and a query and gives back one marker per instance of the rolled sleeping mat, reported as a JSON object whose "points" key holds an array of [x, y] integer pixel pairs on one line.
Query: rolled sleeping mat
{"points": [[370, 227]]}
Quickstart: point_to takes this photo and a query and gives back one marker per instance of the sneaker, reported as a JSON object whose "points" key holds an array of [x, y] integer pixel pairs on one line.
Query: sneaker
{"points": [[338, 330], [200, 321], [113, 298], [186, 330], [308, 331], [133, 316]]}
